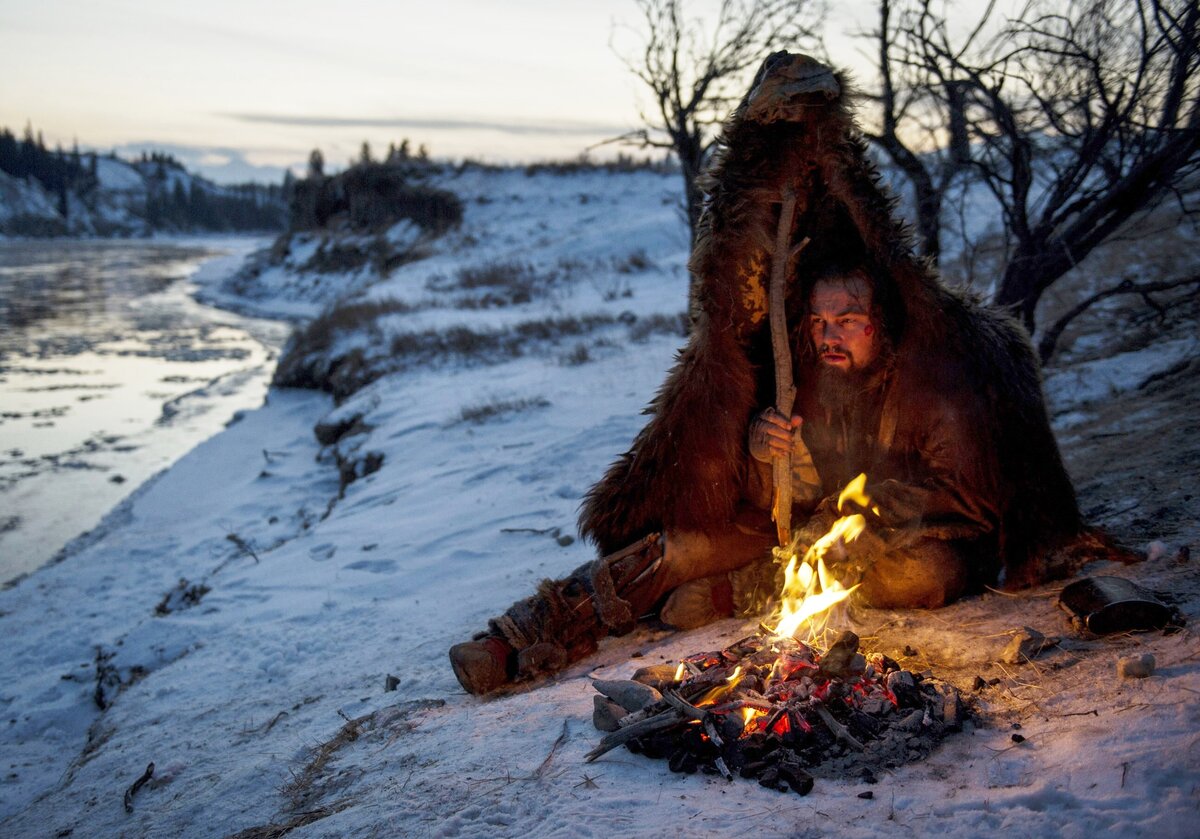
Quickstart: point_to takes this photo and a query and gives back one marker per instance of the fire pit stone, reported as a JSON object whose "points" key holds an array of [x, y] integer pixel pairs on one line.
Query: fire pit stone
{"points": [[1136, 666]]}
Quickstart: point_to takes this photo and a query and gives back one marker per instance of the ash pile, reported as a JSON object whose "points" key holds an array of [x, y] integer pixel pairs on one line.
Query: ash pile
{"points": [[774, 709]]}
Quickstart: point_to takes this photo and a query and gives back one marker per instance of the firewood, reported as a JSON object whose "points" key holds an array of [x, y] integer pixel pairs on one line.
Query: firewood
{"points": [[839, 730], [683, 706], [665, 720]]}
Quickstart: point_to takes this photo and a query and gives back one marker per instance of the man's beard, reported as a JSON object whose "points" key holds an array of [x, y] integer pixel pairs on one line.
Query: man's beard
{"points": [[840, 389]]}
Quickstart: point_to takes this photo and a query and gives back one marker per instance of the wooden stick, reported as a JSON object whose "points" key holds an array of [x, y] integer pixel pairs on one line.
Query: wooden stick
{"points": [[839, 730], [667, 719], [137, 785], [785, 382], [683, 706]]}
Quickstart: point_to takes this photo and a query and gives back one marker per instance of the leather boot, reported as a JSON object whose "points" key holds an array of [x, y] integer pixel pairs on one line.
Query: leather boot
{"points": [[564, 621]]}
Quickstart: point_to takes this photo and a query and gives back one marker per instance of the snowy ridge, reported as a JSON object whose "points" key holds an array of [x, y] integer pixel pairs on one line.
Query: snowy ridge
{"points": [[441, 496], [116, 203]]}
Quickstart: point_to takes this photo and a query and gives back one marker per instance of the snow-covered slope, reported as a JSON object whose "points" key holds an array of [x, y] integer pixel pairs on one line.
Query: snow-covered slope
{"points": [[240, 615]]}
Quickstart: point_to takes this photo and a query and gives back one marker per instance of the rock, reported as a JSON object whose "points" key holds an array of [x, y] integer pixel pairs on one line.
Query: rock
{"points": [[656, 675], [390, 683], [858, 665], [630, 695], [1026, 644], [839, 661], [952, 709], [606, 714], [904, 687], [1136, 666]]}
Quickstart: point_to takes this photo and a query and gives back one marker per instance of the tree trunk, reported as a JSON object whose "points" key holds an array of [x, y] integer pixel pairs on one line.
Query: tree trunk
{"points": [[1016, 293], [1031, 269]]}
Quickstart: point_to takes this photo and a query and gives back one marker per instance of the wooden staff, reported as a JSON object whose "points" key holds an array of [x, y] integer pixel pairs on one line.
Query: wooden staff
{"points": [[785, 382]]}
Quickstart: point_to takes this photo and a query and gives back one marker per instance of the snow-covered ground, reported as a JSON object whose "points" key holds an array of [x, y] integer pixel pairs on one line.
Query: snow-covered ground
{"points": [[240, 614]]}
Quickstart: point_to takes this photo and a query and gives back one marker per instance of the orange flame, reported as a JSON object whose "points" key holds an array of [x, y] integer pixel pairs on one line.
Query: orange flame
{"points": [[809, 589]]}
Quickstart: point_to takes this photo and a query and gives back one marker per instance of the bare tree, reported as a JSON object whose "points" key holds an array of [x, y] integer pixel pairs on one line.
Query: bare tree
{"points": [[697, 71], [920, 124], [1077, 116]]}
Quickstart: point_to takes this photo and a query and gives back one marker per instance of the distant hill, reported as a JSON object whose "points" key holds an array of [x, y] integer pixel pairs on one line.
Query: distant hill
{"points": [[59, 193]]}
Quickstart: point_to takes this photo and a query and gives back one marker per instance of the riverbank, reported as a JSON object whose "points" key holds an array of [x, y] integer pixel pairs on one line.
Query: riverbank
{"points": [[109, 372], [240, 615]]}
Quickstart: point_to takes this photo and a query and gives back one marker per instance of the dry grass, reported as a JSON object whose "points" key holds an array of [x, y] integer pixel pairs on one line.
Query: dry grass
{"points": [[496, 408], [491, 344], [496, 284], [635, 262], [657, 324], [318, 334]]}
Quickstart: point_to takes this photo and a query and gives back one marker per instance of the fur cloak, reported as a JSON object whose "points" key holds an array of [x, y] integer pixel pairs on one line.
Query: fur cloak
{"points": [[686, 470]]}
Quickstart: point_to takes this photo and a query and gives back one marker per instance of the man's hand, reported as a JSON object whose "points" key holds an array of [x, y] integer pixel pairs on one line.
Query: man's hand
{"points": [[772, 436]]}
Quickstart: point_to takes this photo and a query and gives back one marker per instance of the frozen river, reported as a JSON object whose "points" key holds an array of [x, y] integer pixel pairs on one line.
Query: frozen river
{"points": [[109, 372]]}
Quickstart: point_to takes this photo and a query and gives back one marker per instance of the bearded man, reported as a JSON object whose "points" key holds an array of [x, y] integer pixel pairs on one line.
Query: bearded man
{"points": [[936, 397]]}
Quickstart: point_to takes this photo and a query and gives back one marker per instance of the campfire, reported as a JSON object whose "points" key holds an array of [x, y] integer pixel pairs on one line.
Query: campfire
{"points": [[781, 702]]}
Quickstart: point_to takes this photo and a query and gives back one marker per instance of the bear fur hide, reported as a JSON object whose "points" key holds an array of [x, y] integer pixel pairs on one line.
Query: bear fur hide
{"points": [[686, 470]]}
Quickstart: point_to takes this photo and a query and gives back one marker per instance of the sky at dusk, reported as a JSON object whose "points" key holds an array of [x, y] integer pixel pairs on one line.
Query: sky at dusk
{"points": [[240, 90]]}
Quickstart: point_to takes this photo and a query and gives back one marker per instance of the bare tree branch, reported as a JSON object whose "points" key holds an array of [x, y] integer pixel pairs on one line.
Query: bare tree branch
{"points": [[1049, 339], [1076, 116], [696, 71]]}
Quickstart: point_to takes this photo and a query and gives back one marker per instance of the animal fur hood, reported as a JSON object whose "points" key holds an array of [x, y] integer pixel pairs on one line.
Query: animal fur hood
{"points": [[687, 468]]}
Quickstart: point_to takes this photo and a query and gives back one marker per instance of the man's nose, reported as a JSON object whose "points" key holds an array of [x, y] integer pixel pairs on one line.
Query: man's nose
{"points": [[831, 333]]}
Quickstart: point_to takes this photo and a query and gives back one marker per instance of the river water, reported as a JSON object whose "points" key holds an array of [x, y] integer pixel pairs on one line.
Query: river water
{"points": [[109, 372]]}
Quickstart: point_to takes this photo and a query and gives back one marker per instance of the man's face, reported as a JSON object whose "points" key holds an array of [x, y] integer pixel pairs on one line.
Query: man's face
{"points": [[842, 330]]}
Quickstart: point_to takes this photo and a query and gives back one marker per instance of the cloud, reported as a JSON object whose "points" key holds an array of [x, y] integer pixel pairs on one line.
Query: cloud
{"points": [[554, 127]]}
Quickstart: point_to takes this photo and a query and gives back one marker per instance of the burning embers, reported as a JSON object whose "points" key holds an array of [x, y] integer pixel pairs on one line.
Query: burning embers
{"points": [[771, 708]]}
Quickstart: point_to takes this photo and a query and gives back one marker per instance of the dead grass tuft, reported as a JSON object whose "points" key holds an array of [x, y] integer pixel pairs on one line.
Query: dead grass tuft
{"points": [[658, 324], [496, 284], [487, 411], [319, 334]]}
